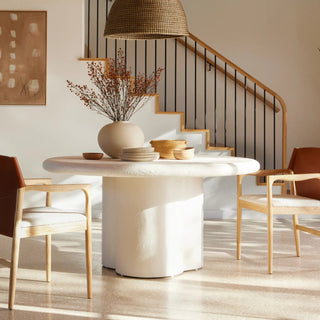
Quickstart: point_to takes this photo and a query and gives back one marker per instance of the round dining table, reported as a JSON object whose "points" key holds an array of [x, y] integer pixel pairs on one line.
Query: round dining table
{"points": [[152, 219]]}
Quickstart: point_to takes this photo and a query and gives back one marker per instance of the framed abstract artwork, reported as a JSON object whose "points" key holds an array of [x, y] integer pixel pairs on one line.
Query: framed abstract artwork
{"points": [[23, 57]]}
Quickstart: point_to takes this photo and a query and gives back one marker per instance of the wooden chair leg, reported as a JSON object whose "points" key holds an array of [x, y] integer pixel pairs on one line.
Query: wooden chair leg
{"points": [[270, 241], [13, 270], [296, 234], [89, 261], [48, 257], [239, 224]]}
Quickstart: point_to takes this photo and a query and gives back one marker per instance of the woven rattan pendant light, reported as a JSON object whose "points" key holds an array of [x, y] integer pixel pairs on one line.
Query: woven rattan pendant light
{"points": [[146, 19]]}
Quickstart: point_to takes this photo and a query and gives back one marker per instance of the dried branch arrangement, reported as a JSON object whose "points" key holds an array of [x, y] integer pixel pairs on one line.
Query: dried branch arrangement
{"points": [[120, 94]]}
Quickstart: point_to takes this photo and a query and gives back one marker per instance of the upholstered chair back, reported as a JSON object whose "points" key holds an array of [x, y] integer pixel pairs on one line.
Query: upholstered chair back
{"points": [[11, 180], [306, 160]]}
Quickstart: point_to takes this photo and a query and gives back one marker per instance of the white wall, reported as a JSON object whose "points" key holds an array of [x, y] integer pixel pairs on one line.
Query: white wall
{"points": [[275, 41]]}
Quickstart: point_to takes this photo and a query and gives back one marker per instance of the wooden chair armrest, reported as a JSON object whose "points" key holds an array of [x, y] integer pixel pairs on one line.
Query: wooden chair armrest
{"points": [[294, 177], [58, 187], [279, 173], [264, 173], [85, 188], [37, 181]]}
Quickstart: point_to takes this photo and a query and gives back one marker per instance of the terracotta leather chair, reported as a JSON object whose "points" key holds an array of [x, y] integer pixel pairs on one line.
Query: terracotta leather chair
{"points": [[17, 223], [303, 176]]}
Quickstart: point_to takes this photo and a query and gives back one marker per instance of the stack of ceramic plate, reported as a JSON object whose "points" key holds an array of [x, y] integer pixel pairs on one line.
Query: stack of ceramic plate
{"points": [[139, 154]]}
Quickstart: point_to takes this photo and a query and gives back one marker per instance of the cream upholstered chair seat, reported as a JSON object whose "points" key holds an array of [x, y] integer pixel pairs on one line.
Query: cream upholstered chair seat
{"points": [[42, 216], [281, 200]]}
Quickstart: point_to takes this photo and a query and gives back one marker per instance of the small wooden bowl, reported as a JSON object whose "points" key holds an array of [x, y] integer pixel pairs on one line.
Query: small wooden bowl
{"points": [[92, 155], [166, 147], [184, 153]]}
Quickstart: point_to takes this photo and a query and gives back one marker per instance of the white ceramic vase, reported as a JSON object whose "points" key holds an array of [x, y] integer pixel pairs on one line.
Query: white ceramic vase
{"points": [[117, 135]]}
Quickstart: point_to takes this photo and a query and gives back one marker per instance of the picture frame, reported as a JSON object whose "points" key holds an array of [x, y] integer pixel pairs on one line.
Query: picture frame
{"points": [[23, 57]]}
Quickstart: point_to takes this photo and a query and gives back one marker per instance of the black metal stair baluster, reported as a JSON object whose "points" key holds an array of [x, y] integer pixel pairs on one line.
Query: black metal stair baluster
{"points": [[97, 43], [215, 100], [225, 104], [135, 63], [235, 112], [245, 116], [126, 53], [155, 64], [274, 132], [88, 35], [115, 50], [145, 64], [185, 81], [165, 74], [264, 129], [106, 42], [255, 123], [175, 73], [195, 84], [205, 88]]}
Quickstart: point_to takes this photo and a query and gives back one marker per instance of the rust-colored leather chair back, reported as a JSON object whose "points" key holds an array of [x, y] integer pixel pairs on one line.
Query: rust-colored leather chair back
{"points": [[306, 160], [11, 180]]}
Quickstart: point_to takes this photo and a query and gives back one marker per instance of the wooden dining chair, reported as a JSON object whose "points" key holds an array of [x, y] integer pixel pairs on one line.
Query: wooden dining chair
{"points": [[18, 223], [303, 177]]}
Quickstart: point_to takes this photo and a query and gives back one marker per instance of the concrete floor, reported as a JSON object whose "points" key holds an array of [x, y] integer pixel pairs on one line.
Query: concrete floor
{"points": [[223, 289]]}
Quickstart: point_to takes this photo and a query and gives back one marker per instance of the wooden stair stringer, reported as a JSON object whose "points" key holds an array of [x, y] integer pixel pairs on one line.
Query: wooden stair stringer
{"points": [[183, 129]]}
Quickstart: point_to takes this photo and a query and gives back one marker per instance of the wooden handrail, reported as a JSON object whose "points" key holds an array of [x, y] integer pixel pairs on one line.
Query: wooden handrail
{"points": [[254, 80]]}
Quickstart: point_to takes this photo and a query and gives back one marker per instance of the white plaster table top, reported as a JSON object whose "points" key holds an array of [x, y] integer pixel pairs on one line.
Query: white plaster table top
{"points": [[200, 166]]}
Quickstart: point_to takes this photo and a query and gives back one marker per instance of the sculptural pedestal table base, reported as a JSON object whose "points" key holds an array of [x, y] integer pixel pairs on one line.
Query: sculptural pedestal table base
{"points": [[153, 226]]}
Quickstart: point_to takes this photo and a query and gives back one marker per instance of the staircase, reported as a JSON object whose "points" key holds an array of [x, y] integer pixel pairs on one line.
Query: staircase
{"points": [[213, 95]]}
